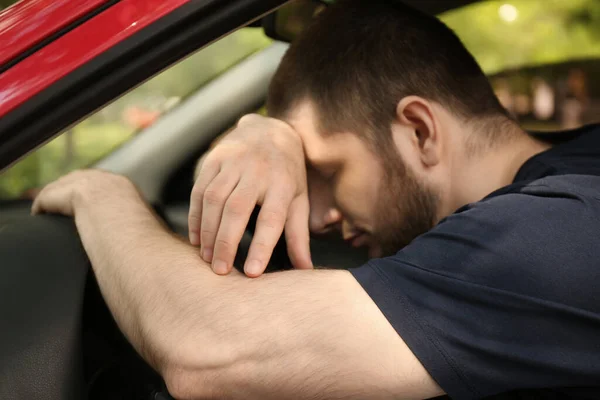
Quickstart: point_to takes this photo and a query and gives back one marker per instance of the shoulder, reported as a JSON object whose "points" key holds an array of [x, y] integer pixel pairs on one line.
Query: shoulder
{"points": [[521, 215], [540, 238], [554, 197], [497, 278]]}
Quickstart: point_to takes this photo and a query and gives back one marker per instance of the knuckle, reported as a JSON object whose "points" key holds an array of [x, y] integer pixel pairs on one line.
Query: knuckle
{"points": [[207, 233], [214, 197], [212, 159], [246, 191], [257, 167], [261, 250], [237, 207], [197, 192], [286, 183], [248, 119], [225, 245], [194, 219], [271, 218], [210, 162], [206, 237]]}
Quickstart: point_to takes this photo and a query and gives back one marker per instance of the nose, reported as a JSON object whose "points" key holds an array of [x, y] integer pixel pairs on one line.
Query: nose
{"points": [[328, 221]]}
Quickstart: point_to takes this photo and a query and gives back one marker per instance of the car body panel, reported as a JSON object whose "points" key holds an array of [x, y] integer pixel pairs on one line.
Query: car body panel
{"points": [[28, 23], [77, 47]]}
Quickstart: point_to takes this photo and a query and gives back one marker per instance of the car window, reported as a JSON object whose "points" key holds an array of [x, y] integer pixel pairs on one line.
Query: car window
{"points": [[102, 132], [540, 56]]}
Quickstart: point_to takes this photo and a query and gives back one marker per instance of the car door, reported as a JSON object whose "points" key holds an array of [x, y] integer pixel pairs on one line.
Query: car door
{"points": [[76, 64], [89, 63]]}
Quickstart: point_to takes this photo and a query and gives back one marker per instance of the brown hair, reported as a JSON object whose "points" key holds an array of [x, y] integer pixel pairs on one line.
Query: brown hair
{"points": [[359, 58]]}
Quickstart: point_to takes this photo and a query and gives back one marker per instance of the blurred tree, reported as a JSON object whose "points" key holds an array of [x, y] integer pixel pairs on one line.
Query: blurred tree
{"points": [[587, 17], [506, 34], [6, 3]]}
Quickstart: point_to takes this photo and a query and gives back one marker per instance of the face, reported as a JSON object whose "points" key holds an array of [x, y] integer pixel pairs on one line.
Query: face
{"points": [[373, 199]]}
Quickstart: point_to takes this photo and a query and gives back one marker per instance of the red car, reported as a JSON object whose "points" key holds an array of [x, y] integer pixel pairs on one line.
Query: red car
{"points": [[61, 61]]}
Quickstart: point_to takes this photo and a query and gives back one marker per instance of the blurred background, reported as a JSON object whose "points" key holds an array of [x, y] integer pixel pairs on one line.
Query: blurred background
{"points": [[542, 58]]}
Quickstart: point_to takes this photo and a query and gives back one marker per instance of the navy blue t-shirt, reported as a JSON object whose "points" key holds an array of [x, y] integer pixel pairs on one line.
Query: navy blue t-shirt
{"points": [[504, 294]]}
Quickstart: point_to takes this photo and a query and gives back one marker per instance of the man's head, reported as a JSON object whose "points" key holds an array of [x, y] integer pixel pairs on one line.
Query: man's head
{"points": [[385, 98]]}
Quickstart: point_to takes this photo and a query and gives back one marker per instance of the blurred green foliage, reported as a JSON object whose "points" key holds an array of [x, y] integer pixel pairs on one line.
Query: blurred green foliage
{"points": [[543, 31], [500, 34], [91, 142]]}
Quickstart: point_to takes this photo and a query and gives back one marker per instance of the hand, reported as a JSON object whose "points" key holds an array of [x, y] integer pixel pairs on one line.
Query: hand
{"points": [[261, 162], [79, 188]]}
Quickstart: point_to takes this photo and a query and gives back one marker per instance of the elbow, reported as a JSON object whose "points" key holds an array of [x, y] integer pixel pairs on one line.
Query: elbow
{"points": [[183, 386], [199, 370], [178, 386]]}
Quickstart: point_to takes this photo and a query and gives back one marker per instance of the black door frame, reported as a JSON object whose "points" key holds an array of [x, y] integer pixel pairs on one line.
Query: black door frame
{"points": [[121, 68]]}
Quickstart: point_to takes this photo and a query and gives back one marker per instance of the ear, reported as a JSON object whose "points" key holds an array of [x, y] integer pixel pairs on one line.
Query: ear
{"points": [[417, 114]]}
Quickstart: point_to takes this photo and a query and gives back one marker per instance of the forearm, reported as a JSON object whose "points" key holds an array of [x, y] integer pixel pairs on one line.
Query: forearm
{"points": [[147, 276]]}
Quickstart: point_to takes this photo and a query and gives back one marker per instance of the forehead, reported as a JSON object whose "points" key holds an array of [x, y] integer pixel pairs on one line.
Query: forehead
{"points": [[322, 147]]}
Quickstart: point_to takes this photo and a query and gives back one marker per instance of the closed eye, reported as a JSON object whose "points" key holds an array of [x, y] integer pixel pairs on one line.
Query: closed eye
{"points": [[325, 170]]}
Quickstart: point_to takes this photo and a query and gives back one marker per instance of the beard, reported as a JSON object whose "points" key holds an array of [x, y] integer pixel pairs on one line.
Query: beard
{"points": [[406, 208]]}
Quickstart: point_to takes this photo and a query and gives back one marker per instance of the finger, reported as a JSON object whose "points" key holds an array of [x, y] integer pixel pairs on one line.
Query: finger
{"points": [[36, 206], [47, 197], [269, 226], [53, 199], [56, 197], [297, 235], [214, 199], [39, 204], [207, 174], [237, 211]]}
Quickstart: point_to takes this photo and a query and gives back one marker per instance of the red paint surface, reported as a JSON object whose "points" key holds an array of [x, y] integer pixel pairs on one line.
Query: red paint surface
{"points": [[71, 51], [29, 22]]}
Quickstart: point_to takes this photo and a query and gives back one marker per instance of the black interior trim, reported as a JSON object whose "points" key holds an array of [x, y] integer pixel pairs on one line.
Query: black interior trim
{"points": [[121, 68], [435, 7], [44, 269], [61, 32]]}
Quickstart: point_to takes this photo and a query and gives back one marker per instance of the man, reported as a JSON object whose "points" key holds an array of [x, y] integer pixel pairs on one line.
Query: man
{"points": [[493, 284]]}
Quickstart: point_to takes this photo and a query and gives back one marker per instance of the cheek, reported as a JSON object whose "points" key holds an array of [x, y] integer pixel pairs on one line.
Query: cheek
{"points": [[356, 193]]}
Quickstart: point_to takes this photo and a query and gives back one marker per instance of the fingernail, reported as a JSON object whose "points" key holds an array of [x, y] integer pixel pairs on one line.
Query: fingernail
{"points": [[194, 239], [207, 255], [219, 267], [253, 268]]}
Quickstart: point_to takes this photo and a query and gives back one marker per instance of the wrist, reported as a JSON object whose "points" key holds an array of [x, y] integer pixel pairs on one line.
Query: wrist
{"points": [[110, 191]]}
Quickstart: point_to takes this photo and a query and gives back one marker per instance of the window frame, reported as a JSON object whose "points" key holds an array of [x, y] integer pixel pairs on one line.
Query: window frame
{"points": [[114, 72]]}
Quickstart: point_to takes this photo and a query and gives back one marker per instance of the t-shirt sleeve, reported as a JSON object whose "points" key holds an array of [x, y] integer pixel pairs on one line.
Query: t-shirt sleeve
{"points": [[500, 296]]}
